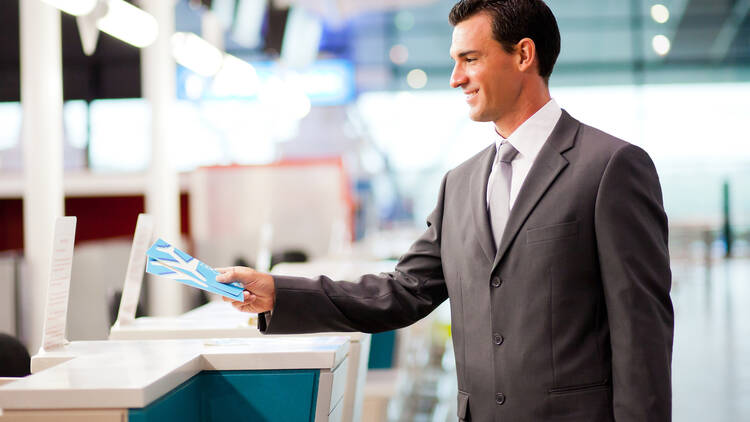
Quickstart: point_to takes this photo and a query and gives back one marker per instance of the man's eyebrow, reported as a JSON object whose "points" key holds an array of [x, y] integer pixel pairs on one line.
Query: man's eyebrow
{"points": [[466, 53]]}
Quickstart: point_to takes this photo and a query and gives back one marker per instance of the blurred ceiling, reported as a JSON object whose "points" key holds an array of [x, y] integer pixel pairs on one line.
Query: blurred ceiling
{"points": [[604, 42], [611, 42]]}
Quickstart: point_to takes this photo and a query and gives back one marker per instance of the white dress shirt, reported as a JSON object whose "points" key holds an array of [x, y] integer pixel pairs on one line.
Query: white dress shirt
{"points": [[528, 140]]}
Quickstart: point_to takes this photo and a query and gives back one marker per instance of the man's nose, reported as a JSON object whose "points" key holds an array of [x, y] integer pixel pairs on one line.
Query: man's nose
{"points": [[458, 77]]}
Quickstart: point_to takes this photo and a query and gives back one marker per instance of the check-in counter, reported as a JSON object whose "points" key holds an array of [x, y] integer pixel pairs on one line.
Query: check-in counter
{"points": [[220, 319], [262, 379]]}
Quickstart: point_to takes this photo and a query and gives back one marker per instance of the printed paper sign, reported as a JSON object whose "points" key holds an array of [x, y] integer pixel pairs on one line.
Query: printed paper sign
{"points": [[167, 261], [131, 290], [56, 311]]}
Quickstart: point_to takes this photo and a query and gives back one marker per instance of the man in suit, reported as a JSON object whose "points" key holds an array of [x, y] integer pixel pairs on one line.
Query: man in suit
{"points": [[551, 245]]}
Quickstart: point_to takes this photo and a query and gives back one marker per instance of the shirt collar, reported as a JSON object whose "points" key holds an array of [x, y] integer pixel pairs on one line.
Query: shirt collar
{"points": [[529, 138]]}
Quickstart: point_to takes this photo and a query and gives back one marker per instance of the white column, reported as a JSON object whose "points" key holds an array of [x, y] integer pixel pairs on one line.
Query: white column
{"points": [[43, 200], [158, 79]]}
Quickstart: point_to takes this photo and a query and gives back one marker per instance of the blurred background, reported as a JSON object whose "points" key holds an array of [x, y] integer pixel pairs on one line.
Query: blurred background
{"points": [[318, 131]]}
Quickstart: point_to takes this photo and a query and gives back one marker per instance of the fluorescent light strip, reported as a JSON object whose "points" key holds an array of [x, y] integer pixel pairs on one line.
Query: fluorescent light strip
{"points": [[120, 19], [248, 22], [196, 54], [129, 24]]}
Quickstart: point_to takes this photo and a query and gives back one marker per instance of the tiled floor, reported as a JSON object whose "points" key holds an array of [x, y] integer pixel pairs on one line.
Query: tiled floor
{"points": [[711, 361]]}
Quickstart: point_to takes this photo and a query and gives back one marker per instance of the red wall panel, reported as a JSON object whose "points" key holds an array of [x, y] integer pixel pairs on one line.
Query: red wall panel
{"points": [[101, 217]]}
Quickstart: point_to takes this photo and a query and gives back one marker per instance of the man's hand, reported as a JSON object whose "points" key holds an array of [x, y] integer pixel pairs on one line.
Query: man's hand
{"points": [[260, 290]]}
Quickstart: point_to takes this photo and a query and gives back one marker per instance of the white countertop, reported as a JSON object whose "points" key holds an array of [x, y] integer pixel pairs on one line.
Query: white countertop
{"points": [[132, 374]]}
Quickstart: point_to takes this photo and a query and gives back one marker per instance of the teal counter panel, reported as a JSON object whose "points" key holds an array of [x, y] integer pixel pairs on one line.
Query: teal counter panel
{"points": [[181, 404], [382, 348], [210, 396]]}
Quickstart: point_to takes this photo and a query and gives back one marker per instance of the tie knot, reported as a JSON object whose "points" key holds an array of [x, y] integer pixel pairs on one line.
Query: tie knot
{"points": [[506, 152]]}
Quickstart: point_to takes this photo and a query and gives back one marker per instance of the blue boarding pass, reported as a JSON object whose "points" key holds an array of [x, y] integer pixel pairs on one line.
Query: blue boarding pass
{"points": [[167, 261]]}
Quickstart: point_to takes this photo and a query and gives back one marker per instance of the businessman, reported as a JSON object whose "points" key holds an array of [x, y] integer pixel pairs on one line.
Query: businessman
{"points": [[551, 245]]}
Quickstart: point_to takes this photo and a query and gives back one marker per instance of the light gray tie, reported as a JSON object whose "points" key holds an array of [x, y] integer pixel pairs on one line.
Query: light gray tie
{"points": [[499, 204]]}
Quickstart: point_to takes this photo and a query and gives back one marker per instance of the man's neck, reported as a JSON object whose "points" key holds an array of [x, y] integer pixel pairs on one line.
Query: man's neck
{"points": [[527, 106]]}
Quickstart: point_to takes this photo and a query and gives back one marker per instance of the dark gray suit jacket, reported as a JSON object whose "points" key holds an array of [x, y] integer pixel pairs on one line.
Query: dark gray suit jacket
{"points": [[569, 319]]}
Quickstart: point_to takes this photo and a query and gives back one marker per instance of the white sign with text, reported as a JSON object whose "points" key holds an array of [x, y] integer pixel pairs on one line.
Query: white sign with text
{"points": [[58, 291], [131, 290]]}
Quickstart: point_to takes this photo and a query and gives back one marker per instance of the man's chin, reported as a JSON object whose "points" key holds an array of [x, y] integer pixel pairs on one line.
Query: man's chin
{"points": [[479, 117]]}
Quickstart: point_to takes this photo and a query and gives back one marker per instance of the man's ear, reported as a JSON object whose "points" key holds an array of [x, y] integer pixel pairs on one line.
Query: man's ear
{"points": [[525, 54]]}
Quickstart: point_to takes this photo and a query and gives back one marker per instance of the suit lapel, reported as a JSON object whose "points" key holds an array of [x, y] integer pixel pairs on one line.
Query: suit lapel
{"points": [[547, 166], [478, 193]]}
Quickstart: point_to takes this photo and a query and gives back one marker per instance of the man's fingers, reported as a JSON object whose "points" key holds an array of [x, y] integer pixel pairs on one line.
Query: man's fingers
{"points": [[244, 275], [248, 305], [226, 274], [247, 298], [251, 280], [224, 270]]}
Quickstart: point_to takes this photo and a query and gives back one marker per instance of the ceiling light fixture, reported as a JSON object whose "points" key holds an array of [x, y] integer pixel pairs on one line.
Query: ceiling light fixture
{"points": [[660, 13], [237, 78], [661, 45], [196, 54], [128, 23], [399, 54], [416, 78], [117, 18]]}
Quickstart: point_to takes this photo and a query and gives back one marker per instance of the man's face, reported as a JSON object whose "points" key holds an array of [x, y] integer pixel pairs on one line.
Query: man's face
{"points": [[488, 75]]}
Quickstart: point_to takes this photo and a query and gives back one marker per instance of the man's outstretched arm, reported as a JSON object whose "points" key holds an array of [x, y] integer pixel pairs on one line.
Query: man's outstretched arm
{"points": [[373, 303]]}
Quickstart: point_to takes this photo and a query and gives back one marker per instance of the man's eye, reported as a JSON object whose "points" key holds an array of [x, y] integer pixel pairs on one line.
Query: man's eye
{"points": [[469, 60]]}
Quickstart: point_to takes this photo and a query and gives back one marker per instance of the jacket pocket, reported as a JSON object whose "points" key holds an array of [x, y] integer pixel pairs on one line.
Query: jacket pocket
{"points": [[601, 385], [552, 232], [463, 405]]}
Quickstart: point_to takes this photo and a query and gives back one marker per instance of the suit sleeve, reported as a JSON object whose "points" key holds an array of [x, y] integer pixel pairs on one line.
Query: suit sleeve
{"points": [[372, 304], [631, 231]]}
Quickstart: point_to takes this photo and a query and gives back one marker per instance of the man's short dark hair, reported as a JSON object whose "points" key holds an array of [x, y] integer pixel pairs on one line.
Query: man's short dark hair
{"points": [[513, 20]]}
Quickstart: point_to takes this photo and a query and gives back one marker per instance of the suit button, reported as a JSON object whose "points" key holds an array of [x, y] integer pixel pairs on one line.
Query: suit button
{"points": [[498, 339], [500, 398], [496, 282]]}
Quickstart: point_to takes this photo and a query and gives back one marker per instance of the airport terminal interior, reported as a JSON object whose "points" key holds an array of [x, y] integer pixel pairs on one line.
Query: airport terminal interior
{"points": [[309, 137]]}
